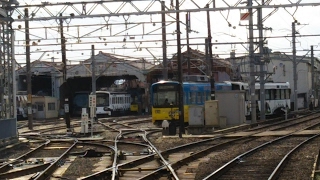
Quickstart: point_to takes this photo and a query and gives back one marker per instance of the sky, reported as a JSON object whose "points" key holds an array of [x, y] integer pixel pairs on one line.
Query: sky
{"points": [[226, 27]]}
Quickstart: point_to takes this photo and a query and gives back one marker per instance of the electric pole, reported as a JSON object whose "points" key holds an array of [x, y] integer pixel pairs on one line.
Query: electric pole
{"points": [[29, 89], [262, 73], [65, 98], [312, 78], [295, 78], [93, 108], [180, 73], [251, 56], [187, 34], [210, 64], [164, 41]]}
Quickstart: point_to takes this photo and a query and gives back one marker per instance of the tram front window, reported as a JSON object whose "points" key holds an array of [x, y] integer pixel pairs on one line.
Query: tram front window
{"points": [[165, 98], [102, 100]]}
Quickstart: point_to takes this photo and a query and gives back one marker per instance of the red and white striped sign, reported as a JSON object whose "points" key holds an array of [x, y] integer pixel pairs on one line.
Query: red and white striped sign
{"points": [[244, 16]]}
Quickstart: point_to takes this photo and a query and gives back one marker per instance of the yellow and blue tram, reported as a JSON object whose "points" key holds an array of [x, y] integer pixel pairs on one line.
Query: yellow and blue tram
{"points": [[165, 99]]}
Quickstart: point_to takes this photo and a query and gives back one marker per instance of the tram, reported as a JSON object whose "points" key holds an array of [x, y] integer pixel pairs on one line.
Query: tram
{"points": [[277, 96], [165, 99], [112, 103]]}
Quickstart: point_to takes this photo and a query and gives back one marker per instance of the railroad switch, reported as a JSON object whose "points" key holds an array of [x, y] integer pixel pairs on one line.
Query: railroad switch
{"points": [[92, 153], [39, 161], [145, 151], [121, 156]]}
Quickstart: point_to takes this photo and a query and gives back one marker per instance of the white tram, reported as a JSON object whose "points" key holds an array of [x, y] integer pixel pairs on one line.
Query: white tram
{"points": [[112, 103], [277, 96]]}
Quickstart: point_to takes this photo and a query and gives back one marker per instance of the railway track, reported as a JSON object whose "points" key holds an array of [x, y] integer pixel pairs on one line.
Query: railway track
{"points": [[137, 152], [267, 159]]}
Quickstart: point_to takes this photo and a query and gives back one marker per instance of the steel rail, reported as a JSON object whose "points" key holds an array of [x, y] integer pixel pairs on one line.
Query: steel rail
{"points": [[100, 174], [150, 157], [49, 170], [168, 166], [115, 158], [7, 166], [276, 172], [315, 169], [115, 172], [223, 169], [24, 172], [203, 152]]}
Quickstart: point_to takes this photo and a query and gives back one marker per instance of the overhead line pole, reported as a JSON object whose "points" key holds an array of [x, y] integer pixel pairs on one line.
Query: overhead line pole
{"points": [[180, 73], [93, 109], [262, 73], [187, 36], [295, 77], [164, 42], [210, 63], [251, 56], [65, 98], [312, 78], [29, 88]]}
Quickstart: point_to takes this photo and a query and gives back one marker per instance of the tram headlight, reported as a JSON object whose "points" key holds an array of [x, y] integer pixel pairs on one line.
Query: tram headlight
{"points": [[105, 108]]}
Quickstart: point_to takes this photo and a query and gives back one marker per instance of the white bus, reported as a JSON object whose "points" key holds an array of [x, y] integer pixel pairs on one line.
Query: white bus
{"points": [[277, 96]]}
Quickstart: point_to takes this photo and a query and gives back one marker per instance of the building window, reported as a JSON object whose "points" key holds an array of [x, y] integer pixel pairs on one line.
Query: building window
{"points": [[51, 106]]}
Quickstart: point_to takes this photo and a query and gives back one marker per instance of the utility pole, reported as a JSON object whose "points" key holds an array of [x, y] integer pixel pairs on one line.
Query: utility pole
{"points": [[187, 34], [210, 64], [312, 78], [164, 41], [252, 77], [206, 52], [65, 98], [180, 73], [295, 78], [93, 70], [262, 74], [29, 89]]}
